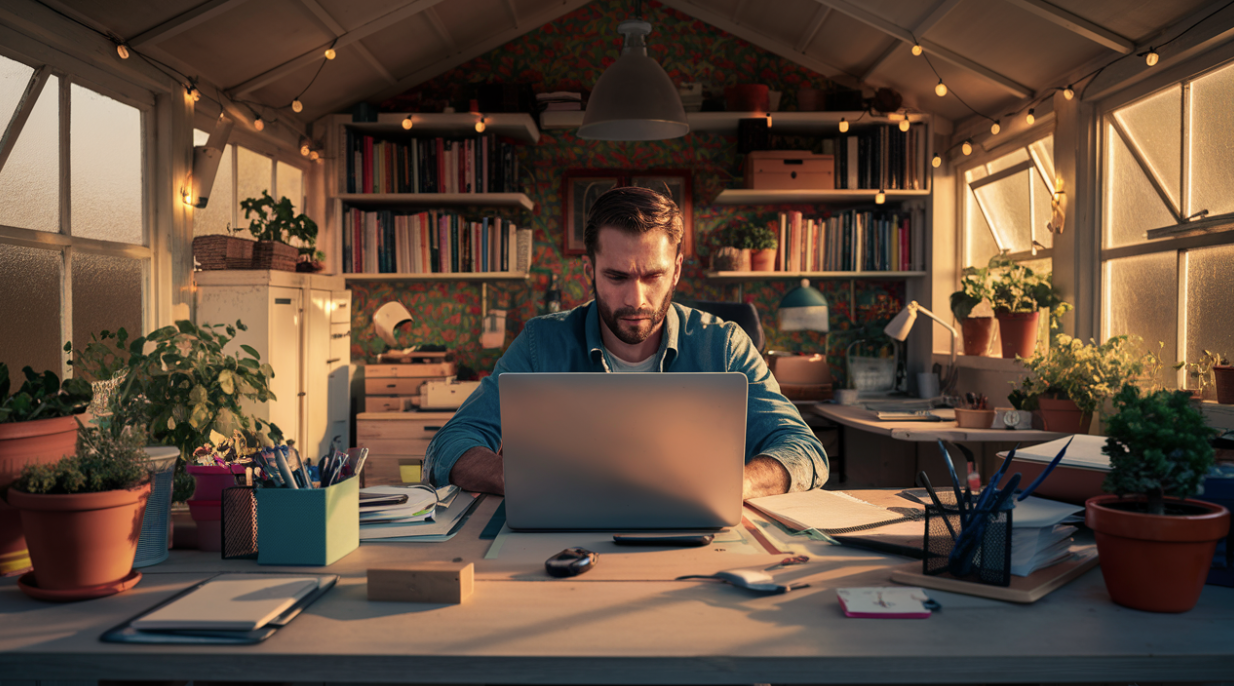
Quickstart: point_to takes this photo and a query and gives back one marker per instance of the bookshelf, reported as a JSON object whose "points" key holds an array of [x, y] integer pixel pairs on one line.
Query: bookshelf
{"points": [[437, 200], [748, 277], [786, 123], [746, 196], [485, 277]]}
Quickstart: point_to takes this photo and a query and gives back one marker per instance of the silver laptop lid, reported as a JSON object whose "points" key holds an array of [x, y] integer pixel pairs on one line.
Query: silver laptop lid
{"points": [[623, 451]]}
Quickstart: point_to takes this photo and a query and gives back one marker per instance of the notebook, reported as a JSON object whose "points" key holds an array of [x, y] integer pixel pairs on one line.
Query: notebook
{"points": [[830, 512], [231, 604]]}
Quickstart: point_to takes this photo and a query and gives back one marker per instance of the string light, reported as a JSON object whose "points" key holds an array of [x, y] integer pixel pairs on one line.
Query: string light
{"points": [[314, 155], [1030, 118], [880, 197], [967, 148], [843, 125], [330, 54], [941, 89], [917, 50], [937, 161], [904, 124], [297, 106], [1151, 57], [769, 120], [259, 124], [1068, 92], [186, 191], [122, 50], [407, 123], [304, 146], [481, 125], [995, 128]]}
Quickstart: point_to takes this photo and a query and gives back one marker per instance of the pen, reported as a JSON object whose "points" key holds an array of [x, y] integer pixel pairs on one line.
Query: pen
{"points": [[360, 460], [1046, 472], [924, 480], [284, 469], [955, 482]]}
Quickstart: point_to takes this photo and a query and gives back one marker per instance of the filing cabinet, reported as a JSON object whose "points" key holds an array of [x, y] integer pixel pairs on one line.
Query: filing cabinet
{"points": [[397, 443]]}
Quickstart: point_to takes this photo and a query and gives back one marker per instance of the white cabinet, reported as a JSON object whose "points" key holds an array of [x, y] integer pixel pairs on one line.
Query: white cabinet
{"points": [[301, 325]]}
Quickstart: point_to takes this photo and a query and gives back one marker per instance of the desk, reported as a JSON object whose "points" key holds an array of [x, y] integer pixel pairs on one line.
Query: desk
{"points": [[889, 456]]}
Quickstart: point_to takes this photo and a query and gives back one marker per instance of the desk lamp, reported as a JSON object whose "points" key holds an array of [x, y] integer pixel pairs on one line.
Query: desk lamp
{"points": [[803, 309], [388, 318], [903, 322]]}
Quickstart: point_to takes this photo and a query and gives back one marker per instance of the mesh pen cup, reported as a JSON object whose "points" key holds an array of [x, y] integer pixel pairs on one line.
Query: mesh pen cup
{"points": [[308, 526], [990, 557]]}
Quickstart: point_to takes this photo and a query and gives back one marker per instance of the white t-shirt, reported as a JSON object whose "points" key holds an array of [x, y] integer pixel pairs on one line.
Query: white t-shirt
{"points": [[620, 365]]}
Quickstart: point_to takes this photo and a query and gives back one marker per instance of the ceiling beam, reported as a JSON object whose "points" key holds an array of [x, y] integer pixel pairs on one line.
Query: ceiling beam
{"points": [[870, 19], [1076, 24], [820, 17], [383, 22], [941, 10], [183, 22], [329, 24], [440, 27]]}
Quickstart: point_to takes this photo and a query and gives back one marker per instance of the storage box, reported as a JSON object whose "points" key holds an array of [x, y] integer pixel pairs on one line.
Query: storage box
{"points": [[304, 526], [789, 170]]}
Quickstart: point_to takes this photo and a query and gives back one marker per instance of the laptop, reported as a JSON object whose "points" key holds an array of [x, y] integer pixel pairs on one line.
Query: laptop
{"points": [[621, 452]]}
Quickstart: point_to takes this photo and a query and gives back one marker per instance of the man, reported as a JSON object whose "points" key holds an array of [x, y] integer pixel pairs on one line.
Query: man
{"points": [[633, 241]]}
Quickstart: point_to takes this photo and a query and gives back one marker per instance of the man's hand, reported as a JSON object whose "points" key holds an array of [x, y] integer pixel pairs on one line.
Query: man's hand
{"points": [[480, 470], [763, 476]]}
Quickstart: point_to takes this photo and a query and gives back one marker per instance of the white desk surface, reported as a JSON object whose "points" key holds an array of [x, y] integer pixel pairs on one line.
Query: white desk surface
{"points": [[590, 630], [858, 417]]}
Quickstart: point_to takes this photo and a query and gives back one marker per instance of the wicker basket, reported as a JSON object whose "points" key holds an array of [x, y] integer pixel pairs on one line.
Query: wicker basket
{"points": [[275, 255], [223, 252]]}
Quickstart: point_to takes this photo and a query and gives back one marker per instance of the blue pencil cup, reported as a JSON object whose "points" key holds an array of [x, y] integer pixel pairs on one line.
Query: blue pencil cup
{"points": [[308, 526]]}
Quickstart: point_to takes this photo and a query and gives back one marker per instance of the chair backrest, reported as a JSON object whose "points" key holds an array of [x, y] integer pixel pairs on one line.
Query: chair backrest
{"points": [[744, 315]]}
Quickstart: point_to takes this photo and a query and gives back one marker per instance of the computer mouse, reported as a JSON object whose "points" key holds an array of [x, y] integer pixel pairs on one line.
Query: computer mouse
{"points": [[570, 562]]}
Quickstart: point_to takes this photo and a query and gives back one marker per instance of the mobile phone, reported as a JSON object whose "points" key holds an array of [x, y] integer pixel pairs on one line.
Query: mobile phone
{"points": [[679, 540]]}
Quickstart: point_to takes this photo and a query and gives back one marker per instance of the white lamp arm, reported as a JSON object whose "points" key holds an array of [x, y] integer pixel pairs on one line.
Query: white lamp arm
{"points": [[947, 326]]}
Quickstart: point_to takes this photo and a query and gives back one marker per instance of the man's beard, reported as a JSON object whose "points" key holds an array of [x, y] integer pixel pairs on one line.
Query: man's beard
{"points": [[613, 319]]}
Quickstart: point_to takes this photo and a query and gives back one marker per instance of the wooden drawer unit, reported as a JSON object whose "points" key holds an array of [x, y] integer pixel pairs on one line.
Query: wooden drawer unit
{"points": [[395, 385], [397, 443]]}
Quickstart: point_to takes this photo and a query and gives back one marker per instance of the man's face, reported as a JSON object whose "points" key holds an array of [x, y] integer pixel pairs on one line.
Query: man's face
{"points": [[633, 280]]}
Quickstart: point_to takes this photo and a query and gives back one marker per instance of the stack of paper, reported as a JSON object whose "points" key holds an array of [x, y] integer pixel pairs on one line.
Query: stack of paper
{"points": [[831, 512], [402, 504], [433, 516], [1040, 535]]}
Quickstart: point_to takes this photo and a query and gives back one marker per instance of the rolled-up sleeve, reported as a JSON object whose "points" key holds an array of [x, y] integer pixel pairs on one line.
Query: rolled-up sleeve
{"points": [[774, 427]]}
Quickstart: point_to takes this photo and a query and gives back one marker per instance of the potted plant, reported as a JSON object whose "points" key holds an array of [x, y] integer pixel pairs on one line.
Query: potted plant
{"points": [[223, 251], [761, 242], [1156, 543], [1223, 377], [1070, 381], [82, 515], [972, 309], [37, 426], [1203, 375], [274, 226], [1017, 294]]}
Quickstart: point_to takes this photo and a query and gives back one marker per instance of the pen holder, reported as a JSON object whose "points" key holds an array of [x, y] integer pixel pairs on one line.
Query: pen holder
{"points": [[239, 523], [990, 556], [304, 526]]}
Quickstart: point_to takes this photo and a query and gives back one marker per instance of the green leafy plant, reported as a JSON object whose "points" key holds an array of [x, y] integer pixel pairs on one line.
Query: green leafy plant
{"points": [[104, 357], [1158, 445], [745, 236], [42, 396], [277, 221], [974, 288], [1201, 371], [1016, 288], [1085, 374], [107, 459]]}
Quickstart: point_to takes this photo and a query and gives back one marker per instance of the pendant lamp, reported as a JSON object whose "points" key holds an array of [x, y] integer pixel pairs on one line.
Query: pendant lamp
{"points": [[634, 100], [804, 309]]}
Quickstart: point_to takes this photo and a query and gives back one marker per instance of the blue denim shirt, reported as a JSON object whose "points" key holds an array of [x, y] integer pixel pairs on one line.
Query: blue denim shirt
{"points": [[692, 341]]}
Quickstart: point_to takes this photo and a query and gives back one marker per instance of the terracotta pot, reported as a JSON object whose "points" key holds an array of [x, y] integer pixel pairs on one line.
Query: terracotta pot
{"points": [[1156, 563], [41, 441], [1019, 333], [974, 419], [1063, 416], [763, 260], [84, 539], [977, 333], [1223, 376]]}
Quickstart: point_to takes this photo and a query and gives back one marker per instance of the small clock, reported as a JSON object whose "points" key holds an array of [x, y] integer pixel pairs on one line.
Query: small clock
{"points": [[1011, 418]]}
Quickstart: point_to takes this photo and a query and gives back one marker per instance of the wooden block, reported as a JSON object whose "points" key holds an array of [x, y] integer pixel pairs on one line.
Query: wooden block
{"points": [[428, 582]]}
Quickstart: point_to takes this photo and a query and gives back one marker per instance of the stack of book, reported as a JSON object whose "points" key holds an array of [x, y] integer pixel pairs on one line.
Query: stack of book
{"points": [[484, 164], [882, 157], [431, 242], [560, 101], [851, 240], [395, 511]]}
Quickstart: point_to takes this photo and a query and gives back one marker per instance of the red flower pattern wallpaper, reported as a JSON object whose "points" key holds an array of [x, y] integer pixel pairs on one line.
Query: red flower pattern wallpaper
{"points": [[570, 54]]}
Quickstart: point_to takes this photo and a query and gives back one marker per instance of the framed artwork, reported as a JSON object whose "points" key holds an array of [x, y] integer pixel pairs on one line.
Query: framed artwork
{"points": [[581, 187]]}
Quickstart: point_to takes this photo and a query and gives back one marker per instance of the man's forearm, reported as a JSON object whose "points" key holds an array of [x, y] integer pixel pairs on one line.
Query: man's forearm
{"points": [[764, 476], [480, 470]]}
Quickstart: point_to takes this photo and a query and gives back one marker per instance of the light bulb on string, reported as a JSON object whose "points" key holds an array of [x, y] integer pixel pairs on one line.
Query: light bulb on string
{"points": [[995, 128], [122, 50], [259, 124], [193, 92], [904, 124], [937, 161], [407, 123], [769, 120], [917, 50], [297, 106], [843, 125], [1068, 92], [941, 89], [880, 197], [967, 148], [481, 125], [1030, 118], [330, 54], [314, 155], [1151, 57], [304, 147]]}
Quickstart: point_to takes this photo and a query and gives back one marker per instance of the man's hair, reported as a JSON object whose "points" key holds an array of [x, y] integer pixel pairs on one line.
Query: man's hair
{"points": [[632, 209]]}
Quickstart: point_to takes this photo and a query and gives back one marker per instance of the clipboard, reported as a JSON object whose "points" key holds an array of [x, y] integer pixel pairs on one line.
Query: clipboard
{"points": [[126, 633]]}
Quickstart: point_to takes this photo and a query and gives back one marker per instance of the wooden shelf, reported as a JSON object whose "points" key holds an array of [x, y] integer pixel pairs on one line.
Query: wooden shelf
{"points": [[746, 277], [519, 126], [463, 276], [746, 196], [796, 123], [439, 199]]}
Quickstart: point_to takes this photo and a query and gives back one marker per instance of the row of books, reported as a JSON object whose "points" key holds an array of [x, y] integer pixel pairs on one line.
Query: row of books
{"points": [[431, 242], [881, 157], [852, 240], [484, 164]]}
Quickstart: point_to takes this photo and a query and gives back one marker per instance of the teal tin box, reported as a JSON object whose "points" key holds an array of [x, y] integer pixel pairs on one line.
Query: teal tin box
{"points": [[308, 526]]}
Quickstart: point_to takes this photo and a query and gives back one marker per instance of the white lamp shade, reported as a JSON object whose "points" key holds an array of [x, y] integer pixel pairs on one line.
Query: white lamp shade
{"points": [[387, 319], [899, 327], [634, 100]]}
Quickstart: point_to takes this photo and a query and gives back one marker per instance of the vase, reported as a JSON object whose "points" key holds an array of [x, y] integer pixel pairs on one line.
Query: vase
{"points": [[1223, 378], [1063, 416], [763, 260], [1018, 331], [1152, 562], [977, 333], [42, 441]]}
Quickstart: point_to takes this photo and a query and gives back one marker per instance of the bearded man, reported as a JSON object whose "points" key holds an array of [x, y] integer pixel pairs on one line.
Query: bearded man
{"points": [[633, 241]]}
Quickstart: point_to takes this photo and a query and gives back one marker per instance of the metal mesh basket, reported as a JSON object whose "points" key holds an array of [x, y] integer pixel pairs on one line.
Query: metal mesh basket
{"points": [[239, 523], [990, 557]]}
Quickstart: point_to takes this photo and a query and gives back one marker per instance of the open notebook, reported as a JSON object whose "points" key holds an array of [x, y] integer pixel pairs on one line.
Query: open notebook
{"points": [[230, 604], [831, 512]]}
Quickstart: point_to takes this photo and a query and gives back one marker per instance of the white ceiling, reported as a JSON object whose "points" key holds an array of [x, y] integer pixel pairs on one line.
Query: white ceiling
{"points": [[994, 53]]}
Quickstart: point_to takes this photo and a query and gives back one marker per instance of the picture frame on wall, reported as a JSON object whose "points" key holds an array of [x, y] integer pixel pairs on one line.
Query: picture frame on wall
{"points": [[581, 188]]}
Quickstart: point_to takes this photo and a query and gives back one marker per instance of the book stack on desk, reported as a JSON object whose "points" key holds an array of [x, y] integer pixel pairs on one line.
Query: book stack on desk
{"points": [[393, 511], [1041, 534]]}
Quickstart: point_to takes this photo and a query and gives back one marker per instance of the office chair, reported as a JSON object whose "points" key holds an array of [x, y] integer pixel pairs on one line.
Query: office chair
{"points": [[744, 315]]}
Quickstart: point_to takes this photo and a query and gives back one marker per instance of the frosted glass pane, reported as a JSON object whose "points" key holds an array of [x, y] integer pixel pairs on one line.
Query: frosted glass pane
{"points": [[1210, 280], [1043, 153], [1009, 160], [291, 185], [106, 165], [1132, 207], [1211, 153], [1042, 265], [14, 77], [1141, 298], [218, 213], [1006, 203], [107, 294], [1042, 210], [32, 172], [1154, 127], [30, 309], [975, 174], [253, 175], [979, 245]]}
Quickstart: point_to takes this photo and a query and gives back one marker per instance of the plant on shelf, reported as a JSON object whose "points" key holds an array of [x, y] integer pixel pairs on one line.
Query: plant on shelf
{"points": [[1070, 381], [973, 297], [1155, 543], [274, 226], [223, 251], [1202, 380], [760, 243], [1017, 294]]}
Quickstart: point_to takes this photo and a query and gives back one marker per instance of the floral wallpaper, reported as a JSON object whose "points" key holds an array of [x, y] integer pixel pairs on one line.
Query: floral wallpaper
{"points": [[570, 54]]}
